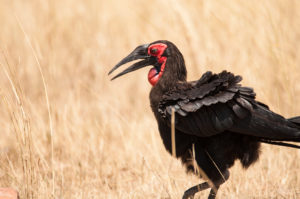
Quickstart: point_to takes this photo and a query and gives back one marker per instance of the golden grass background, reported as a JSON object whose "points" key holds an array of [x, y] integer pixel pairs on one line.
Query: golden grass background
{"points": [[67, 131]]}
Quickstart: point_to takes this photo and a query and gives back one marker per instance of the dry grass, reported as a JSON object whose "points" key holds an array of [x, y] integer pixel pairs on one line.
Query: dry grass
{"points": [[68, 132]]}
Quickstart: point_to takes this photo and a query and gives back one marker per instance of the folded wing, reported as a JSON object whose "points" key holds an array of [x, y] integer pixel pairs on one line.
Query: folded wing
{"points": [[217, 103]]}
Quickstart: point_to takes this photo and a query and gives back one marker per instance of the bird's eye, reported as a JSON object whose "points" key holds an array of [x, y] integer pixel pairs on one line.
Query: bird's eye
{"points": [[153, 50]]}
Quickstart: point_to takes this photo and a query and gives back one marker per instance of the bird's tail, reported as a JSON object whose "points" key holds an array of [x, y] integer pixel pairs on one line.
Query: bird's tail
{"points": [[294, 120], [280, 143]]}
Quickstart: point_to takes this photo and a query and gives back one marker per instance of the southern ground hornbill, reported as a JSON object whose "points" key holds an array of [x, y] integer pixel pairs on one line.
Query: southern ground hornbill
{"points": [[216, 119]]}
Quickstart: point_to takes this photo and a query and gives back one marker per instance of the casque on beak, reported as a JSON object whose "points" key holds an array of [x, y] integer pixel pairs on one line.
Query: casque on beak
{"points": [[141, 52]]}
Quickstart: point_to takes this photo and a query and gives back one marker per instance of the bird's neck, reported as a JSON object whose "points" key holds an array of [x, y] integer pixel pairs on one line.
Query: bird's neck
{"points": [[175, 72]]}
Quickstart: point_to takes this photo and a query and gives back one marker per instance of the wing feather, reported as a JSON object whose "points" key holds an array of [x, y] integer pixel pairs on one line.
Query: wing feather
{"points": [[217, 103]]}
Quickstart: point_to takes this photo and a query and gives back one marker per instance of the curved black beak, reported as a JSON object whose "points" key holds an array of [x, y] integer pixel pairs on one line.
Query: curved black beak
{"points": [[141, 52]]}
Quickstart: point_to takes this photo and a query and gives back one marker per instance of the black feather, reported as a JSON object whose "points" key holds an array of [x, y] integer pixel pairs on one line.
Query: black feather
{"points": [[215, 116]]}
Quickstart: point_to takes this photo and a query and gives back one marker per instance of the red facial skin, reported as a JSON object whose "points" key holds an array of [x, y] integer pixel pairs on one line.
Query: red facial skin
{"points": [[154, 75]]}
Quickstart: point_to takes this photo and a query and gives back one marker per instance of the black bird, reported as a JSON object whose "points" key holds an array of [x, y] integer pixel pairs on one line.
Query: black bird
{"points": [[217, 119]]}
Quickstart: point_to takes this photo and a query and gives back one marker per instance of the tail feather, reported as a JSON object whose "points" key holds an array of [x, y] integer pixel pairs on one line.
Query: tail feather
{"points": [[280, 143], [295, 120]]}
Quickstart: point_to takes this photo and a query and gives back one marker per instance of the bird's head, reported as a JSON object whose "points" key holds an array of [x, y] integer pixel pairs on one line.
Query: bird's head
{"points": [[163, 55]]}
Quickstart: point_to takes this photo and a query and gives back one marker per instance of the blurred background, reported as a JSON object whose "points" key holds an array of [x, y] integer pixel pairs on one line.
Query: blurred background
{"points": [[67, 131]]}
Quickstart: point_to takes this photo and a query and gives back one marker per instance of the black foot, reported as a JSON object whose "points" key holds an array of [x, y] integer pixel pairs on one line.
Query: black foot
{"points": [[189, 194], [213, 193]]}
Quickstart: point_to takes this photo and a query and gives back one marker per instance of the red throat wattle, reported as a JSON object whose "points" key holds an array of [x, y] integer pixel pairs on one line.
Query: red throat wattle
{"points": [[154, 75]]}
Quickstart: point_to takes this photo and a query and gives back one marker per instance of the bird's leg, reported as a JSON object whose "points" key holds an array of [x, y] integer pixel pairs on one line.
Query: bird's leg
{"points": [[213, 193], [195, 189], [189, 194]]}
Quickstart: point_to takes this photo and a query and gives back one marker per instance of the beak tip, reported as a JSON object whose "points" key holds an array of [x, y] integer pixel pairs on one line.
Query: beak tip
{"points": [[111, 71], [114, 78]]}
